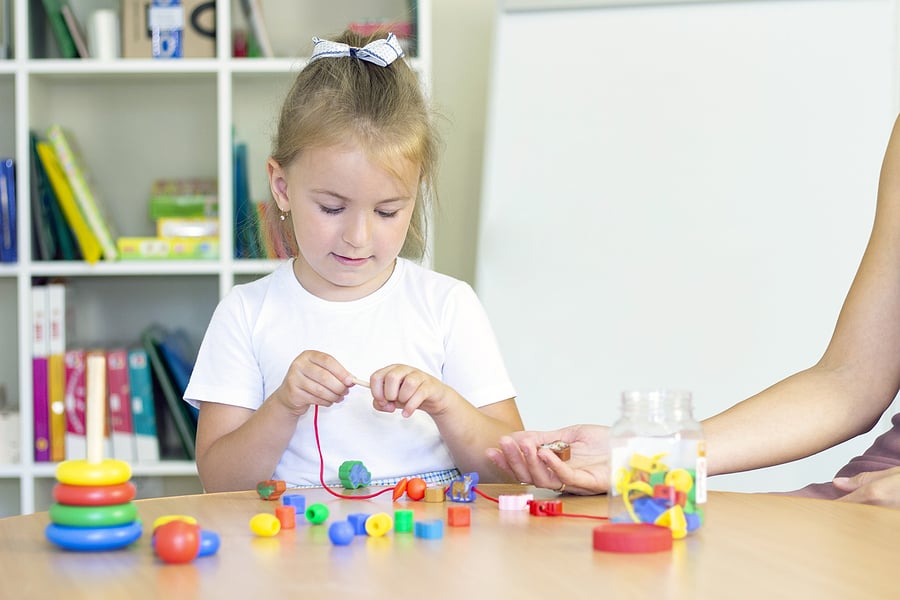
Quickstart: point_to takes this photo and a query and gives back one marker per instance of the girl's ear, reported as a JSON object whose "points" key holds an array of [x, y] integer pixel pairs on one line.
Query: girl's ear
{"points": [[278, 185]]}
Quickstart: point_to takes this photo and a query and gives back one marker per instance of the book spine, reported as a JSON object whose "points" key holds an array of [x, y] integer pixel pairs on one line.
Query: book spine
{"points": [[53, 8], [8, 237], [40, 350], [42, 230], [142, 409], [120, 417], [254, 14], [56, 307], [82, 190], [87, 241], [76, 397], [97, 358]]}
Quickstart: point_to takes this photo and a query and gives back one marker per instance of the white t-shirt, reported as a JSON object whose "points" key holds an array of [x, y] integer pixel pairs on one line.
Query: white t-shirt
{"points": [[418, 317]]}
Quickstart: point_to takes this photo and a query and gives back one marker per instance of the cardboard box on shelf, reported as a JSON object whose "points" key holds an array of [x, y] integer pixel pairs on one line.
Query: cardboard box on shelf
{"points": [[199, 33]]}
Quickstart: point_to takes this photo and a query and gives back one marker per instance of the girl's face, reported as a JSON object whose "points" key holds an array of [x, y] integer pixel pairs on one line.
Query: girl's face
{"points": [[350, 218]]}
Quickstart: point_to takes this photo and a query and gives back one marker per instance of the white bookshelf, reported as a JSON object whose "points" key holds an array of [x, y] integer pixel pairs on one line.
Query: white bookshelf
{"points": [[137, 120]]}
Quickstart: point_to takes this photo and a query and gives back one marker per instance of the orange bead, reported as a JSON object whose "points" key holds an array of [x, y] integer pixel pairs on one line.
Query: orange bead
{"points": [[415, 488]]}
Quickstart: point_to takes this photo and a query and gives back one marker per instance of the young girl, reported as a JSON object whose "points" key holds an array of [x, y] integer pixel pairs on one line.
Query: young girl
{"points": [[399, 363]]}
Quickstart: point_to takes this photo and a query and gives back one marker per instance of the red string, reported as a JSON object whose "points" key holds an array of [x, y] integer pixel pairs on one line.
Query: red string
{"points": [[322, 466], [390, 489]]}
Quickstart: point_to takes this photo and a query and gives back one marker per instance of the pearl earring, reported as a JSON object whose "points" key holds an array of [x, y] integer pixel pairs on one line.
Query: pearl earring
{"points": [[283, 215]]}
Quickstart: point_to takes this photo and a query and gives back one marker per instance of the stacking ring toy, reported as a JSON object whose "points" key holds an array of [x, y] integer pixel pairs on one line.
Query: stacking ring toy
{"points": [[94, 495], [93, 516], [378, 524], [93, 539], [80, 472]]}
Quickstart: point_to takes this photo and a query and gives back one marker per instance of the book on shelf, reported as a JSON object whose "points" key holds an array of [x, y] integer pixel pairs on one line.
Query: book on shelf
{"points": [[184, 198], [256, 24], [56, 369], [52, 237], [246, 216], [168, 248], [83, 189], [75, 399], [40, 351], [119, 402], [187, 227], [142, 409], [75, 31], [8, 225], [89, 246], [6, 29], [176, 427], [64, 42], [96, 357]]}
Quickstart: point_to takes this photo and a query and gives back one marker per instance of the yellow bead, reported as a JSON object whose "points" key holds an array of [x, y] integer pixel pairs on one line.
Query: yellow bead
{"points": [[167, 518], [379, 524], [265, 525], [80, 472]]}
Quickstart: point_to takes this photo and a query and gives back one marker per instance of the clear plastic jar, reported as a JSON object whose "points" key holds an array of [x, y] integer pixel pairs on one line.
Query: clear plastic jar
{"points": [[658, 462]]}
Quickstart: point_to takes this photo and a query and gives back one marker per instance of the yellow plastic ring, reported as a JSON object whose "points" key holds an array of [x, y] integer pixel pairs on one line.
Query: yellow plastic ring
{"points": [[265, 525], [168, 518], [378, 524], [80, 472]]}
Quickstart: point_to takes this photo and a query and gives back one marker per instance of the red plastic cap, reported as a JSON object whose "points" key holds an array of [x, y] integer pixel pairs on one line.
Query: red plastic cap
{"points": [[632, 538]]}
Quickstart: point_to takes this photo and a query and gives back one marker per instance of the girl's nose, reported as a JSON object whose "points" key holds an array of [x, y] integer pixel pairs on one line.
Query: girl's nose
{"points": [[358, 230]]}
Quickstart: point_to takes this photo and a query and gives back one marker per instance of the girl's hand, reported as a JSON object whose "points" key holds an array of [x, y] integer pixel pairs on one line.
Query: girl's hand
{"points": [[402, 386], [313, 378], [881, 488], [586, 471]]}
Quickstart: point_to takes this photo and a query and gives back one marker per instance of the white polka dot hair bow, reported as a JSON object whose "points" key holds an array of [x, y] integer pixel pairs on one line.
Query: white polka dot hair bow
{"points": [[380, 52]]}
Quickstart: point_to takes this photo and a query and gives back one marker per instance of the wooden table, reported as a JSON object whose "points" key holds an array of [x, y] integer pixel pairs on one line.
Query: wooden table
{"points": [[752, 545]]}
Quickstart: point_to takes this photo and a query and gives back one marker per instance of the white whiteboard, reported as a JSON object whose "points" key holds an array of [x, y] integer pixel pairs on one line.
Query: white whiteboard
{"points": [[679, 195]]}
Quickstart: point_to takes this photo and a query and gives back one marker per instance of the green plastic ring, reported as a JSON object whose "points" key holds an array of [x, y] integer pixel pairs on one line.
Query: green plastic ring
{"points": [[93, 516]]}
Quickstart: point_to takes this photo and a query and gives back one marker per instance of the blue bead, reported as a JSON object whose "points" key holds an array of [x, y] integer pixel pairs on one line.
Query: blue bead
{"points": [[209, 543], [341, 533], [358, 520], [430, 530], [298, 501]]}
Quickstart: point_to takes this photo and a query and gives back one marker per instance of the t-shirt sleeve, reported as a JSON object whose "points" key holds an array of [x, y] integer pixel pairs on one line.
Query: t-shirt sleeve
{"points": [[473, 364], [226, 370]]}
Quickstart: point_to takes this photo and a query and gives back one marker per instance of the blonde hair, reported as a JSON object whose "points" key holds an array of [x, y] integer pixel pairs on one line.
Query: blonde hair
{"points": [[381, 108]]}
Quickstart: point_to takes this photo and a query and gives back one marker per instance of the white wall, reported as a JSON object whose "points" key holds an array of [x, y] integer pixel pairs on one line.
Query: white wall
{"points": [[678, 195]]}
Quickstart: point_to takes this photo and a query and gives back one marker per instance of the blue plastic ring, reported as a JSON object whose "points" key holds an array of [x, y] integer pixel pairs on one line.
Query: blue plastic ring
{"points": [[93, 539]]}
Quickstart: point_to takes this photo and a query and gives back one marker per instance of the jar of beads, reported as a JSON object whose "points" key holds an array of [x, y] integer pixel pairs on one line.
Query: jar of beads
{"points": [[658, 462]]}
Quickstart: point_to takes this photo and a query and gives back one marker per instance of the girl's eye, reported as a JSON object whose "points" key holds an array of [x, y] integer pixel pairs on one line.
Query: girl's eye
{"points": [[387, 214], [329, 210]]}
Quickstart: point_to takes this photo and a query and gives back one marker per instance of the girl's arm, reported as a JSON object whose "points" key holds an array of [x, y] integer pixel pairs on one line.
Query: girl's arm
{"points": [[854, 382]]}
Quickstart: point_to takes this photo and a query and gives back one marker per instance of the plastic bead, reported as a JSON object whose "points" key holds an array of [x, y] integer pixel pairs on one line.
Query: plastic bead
{"points": [[434, 494], [271, 489], [459, 516], [298, 501], [514, 501], [354, 474], [403, 520], [287, 516], [93, 516], [399, 489], [209, 543], [94, 495], [317, 513], [430, 530], [462, 489], [265, 525], [358, 520], [415, 488], [93, 539], [177, 542], [378, 524], [341, 533], [541, 508], [81, 472]]}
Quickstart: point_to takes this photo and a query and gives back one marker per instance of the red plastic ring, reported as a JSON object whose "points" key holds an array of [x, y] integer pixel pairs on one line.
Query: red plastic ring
{"points": [[632, 538], [94, 495]]}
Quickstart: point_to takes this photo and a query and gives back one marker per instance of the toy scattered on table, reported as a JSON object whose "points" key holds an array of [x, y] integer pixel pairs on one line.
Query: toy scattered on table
{"points": [[541, 508], [287, 516], [462, 489], [514, 501], [353, 474], [430, 530], [94, 510], [298, 501], [341, 533], [653, 494], [271, 489], [434, 494], [379, 524], [265, 525], [404, 520], [459, 516], [358, 520], [560, 449], [317, 513], [415, 488]]}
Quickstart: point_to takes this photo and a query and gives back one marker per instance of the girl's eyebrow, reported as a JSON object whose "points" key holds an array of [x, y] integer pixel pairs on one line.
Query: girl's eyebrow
{"points": [[345, 199]]}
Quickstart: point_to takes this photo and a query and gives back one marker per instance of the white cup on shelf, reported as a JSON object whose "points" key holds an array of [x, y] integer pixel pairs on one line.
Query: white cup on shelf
{"points": [[103, 35]]}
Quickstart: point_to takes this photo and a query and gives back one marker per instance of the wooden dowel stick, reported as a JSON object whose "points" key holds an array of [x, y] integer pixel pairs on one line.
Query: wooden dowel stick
{"points": [[95, 410], [359, 381]]}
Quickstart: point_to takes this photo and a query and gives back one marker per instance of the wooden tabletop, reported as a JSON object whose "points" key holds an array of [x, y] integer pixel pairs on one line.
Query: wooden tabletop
{"points": [[752, 545]]}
